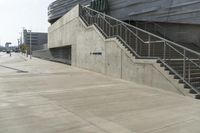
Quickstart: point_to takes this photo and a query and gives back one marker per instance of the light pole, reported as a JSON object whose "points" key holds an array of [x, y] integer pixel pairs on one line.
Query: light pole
{"points": [[18, 40], [30, 45]]}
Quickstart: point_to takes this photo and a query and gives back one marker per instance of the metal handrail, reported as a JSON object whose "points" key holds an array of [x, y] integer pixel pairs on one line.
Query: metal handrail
{"points": [[101, 15], [171, 69], [188, 59], [178, 45], [155, 25], [120, 36], [127, 29], [124, 24]]}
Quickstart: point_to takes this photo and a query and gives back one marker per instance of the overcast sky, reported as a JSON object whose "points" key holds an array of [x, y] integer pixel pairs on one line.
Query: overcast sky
{"points": [[15, 14]]}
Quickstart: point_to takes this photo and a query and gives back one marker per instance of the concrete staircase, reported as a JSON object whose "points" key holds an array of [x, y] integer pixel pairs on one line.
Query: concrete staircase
{"points": [[181, 62], [192, 73]]}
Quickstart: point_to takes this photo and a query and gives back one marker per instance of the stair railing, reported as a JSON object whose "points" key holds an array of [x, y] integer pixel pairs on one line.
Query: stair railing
{"points": [[149, 24], [144, 44]]}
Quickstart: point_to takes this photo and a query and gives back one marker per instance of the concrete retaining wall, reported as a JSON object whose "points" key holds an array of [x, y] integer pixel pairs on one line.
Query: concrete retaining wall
{"points": [[90, 50]]}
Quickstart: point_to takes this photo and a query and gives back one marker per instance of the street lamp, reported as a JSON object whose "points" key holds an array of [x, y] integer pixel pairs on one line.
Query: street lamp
{"points": [[30, 45]]}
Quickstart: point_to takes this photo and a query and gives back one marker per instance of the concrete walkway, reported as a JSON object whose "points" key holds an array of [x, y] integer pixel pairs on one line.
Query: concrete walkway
{"points": [[39, 96]]}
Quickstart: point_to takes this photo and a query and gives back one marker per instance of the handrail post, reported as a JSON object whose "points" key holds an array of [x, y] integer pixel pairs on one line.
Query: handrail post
{"points": [[79, 10], [136, 42], [103, 24], [113, 30], [89, 19], [97, 19], [184, 62], [109, 26], [106, 27], [149, 45], [164, 52], [98, 22], [189, 73], [129, 38], [120, 30], [126, 40]]}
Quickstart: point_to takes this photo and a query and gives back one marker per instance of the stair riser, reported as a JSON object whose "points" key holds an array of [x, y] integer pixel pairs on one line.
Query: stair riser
{"points": [[187, 72], [181, 68]]}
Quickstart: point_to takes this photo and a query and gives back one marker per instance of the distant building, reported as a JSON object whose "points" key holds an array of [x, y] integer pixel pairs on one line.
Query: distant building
{"points": [[37, 39], [7, 46]]}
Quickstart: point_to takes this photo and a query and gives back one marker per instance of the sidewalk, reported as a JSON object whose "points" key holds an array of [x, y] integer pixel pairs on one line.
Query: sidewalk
{"points": [[48, 97]]}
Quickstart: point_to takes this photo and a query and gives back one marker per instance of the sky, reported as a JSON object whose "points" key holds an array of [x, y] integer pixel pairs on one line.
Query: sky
{"points": [[16, 14]]}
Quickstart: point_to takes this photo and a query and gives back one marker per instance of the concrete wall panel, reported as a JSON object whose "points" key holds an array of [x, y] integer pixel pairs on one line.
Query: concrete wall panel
{"points": [[113, 60], [57, 35], [88, 44]]}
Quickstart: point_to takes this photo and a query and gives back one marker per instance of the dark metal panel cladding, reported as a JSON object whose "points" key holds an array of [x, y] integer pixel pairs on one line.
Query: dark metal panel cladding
{"points": [[173, 11], [58, 8]]}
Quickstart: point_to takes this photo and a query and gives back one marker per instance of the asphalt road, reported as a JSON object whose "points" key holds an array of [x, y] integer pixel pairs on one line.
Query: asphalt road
{"points": [[38, 96]]}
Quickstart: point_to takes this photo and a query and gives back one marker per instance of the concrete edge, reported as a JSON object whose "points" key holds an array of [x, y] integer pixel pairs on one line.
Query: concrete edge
{"points": [[55, 27]]}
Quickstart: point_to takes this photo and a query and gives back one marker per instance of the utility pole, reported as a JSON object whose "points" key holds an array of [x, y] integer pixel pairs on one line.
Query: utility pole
{"points": [[18, 48]]}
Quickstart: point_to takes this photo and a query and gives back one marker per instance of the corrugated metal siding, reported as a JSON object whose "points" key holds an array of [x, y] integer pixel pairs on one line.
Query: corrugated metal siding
{"points": [[177, 11], [60, 7]]}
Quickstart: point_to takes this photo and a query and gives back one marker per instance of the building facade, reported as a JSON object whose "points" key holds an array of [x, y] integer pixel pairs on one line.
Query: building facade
{"points": [[173, 19], [37, 39], [173, 11]]}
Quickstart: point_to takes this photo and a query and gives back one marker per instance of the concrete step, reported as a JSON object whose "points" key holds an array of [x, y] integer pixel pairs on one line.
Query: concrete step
{"points": [[176, 66], [181, 67], [196, 84], [192, 91], [176, 61], [182, 62], [194, 75], [187, 71], [197, 96], [194, 79]]}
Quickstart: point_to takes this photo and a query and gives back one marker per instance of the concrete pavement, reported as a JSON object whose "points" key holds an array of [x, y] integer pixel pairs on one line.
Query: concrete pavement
{"points": [[38, 96]]}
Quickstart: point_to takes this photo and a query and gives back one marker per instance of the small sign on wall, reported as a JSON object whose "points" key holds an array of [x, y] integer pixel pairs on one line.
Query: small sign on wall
{"points": [[95, 53]]}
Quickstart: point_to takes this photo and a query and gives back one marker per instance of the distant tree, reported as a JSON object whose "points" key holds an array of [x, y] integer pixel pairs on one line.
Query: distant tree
{"points": [[24, 48]]}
